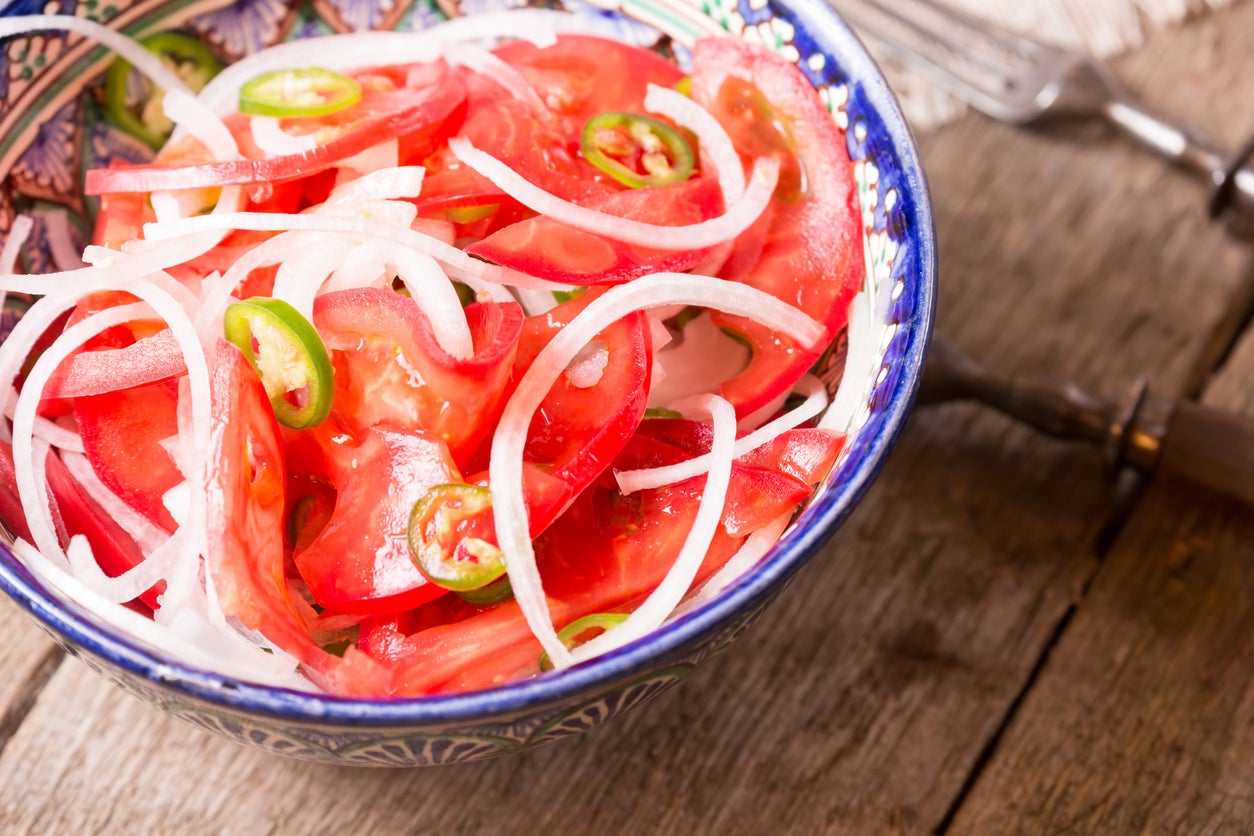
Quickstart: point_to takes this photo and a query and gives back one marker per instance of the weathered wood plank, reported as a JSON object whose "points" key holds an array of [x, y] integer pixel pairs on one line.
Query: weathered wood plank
{"points": [[1143, 718], [863, 700], [27, 657]]}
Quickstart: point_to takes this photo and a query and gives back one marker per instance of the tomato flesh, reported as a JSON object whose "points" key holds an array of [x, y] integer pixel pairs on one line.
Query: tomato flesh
{"points": [[360, 562], [810, 254], [389, 369]]}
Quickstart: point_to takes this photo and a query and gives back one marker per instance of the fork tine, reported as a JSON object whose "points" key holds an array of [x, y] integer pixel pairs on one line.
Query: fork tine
{"points": [[967, 57]]}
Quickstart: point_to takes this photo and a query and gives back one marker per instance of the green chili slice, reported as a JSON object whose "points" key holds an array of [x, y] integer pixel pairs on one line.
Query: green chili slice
{"points": [[287, 354], [636, 150], [451, 539], [308, 91], [134, 105], [572, 634]]}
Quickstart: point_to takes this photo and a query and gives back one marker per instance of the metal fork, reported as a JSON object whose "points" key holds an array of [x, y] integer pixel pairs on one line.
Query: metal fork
{"points": [[1021, 81]]}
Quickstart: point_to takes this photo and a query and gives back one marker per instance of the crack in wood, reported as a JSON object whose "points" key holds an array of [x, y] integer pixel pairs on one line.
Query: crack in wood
{"points": [[24, 698]]}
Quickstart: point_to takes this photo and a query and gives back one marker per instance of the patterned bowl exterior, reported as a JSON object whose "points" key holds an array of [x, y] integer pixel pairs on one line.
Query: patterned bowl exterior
{"points": [[51, 130]]}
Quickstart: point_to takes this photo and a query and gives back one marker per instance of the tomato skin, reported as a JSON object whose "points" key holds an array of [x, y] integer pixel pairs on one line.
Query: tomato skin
{"points": [[804, 453], [11, 512], [360, 562], [74, 513], [811, 253], [419, 118], [245, 530], [602, 555], [577, 432], [147, 360], [121, 431], [550, 250], [456, 401], [581, 76]]}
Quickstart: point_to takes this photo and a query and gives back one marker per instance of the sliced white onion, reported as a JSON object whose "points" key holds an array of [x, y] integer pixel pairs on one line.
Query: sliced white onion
{"points": [[130, 584], [489, 65], [18, 345], [183, 109], [652, 613], [215, 651], [26, 457], [392, 183], [753, 549], [430, 288], [302, 273], [716, 146], [630, 481], [270, 137], [735, 220], [459, 265], [372, 49], [19, 231], [506, 463], [147, 536]]}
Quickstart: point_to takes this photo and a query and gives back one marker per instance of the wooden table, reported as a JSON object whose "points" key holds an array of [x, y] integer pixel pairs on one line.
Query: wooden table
{"points": [[998, 641]]}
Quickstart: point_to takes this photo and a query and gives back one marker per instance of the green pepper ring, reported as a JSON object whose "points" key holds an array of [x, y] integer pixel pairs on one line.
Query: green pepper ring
{"points": [[182, 47], [265, 95], [286, 322], [482, 582], [604, 620], [682, 158]]}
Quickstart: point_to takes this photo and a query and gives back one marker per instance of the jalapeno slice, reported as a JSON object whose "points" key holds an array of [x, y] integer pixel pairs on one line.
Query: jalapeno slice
{"points": [[583, 629], [636, 150], [451, 533], [288, 356], [306, 91], [134, 105]]}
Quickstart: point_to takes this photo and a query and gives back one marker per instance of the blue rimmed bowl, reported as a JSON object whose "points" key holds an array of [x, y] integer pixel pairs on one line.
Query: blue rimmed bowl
{"points": [[52, 129]]}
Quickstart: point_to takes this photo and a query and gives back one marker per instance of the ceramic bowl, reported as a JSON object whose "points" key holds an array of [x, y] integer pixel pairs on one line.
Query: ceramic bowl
{"points": [[51, 130]]}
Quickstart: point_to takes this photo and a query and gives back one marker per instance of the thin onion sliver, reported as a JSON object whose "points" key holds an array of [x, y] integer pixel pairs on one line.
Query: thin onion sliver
{"points": [[506, 463], [652, 613], [735, 220], [630, 481]]}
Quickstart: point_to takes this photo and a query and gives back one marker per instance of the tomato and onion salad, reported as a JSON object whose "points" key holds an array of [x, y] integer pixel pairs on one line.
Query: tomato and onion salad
{"points": [[405, 375]]}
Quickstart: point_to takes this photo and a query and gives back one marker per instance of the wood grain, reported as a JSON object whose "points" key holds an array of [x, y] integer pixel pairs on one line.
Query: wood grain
{"points": [[871, 696]]}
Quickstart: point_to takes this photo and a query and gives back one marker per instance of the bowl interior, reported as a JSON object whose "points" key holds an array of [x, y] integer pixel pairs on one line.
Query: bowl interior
{"points": [[52, 128]]}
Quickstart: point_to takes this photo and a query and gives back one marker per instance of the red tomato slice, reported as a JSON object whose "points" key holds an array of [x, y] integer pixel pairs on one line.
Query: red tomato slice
{"points": [[121, 218], [146, 360], [577, 432], [121, 431], [360, 562], [389, 370], [805, 453], [550, 250], [581, 76], [12, 514], [77, 513], [419, 118], [811, 254], [245, 530], [602, 555]]}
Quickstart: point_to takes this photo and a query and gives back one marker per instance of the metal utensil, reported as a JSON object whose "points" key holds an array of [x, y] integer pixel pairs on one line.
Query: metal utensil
{"points": [[1206, 446], [1018, 80]]}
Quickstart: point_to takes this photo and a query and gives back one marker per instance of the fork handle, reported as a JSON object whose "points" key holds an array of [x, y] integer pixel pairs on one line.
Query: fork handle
{"points": [[1231, 176]]}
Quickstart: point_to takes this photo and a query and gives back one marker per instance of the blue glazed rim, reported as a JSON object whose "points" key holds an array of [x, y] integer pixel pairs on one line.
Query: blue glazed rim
{"points": [[896, 156]]}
